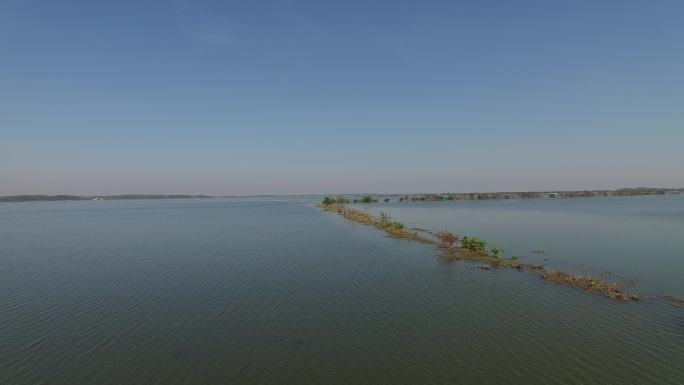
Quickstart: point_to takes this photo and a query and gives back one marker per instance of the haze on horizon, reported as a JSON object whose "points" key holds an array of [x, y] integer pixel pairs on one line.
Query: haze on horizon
{"points": [[213, 97]]}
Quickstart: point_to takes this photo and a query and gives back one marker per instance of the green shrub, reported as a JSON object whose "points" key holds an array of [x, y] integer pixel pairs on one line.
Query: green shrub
{"points": [[473, 244], [368, 199], [496, 250]]}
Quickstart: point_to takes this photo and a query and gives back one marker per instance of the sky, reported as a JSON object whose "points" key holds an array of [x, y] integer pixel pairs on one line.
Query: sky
{"points": [[299, 97]]}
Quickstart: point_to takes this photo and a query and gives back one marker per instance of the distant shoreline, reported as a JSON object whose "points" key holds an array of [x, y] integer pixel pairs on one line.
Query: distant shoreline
{"points": [[54, 198], [639, 191], [623, 192], [369, 198]]}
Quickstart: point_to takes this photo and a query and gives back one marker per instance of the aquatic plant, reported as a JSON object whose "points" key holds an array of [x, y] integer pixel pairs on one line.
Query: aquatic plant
{"points": [[474, 244], [496, 250]]}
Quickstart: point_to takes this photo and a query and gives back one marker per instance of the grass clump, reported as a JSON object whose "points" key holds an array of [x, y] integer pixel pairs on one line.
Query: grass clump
{"points": [[496, 250], [474, 244]]}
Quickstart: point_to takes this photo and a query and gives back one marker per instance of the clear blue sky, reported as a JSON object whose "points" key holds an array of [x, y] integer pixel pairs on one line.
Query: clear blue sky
{"points": [[253, 97]]}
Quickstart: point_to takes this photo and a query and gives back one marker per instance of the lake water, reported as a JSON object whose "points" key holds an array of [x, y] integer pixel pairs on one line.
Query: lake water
{"points": [[279, 292]]}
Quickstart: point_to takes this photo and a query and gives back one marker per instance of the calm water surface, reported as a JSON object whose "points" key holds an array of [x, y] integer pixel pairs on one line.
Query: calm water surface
{"points": [[278, 292]]}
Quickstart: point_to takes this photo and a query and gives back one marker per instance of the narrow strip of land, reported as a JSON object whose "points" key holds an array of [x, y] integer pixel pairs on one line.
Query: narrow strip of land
{"points": [[452, 246]]}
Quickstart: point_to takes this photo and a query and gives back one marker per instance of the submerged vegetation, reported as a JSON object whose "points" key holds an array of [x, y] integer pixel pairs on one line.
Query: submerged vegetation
{"points": [[595, 285], [393, 228], [446, 240], [474, 248], [674, 300]]}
